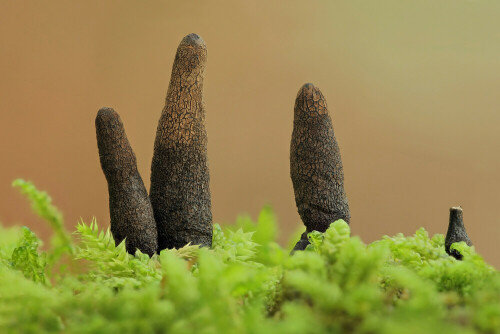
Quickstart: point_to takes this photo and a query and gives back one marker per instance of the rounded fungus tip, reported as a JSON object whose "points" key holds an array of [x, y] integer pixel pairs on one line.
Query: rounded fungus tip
{"points": [[105, 118], [190, 59], [105, 111], [310, 102], [193, 40], [308, 86]]}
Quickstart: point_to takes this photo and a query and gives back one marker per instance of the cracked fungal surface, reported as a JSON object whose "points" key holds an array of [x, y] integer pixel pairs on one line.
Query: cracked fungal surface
{"points": [[456, 232], [129, 206], [315, 165], [180, 193]]}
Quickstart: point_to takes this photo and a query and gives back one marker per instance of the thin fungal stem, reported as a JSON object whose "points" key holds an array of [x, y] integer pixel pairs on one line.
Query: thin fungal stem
{"points": [[129, 206]]}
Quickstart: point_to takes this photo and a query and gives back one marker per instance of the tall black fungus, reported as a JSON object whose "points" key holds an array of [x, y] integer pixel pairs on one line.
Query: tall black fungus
{"points": [[456, 232], [180, 193], [129, 206], [315, 165]]}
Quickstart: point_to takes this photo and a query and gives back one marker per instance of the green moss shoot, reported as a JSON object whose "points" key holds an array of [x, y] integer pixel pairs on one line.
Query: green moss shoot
{"points": [[245, 283]]}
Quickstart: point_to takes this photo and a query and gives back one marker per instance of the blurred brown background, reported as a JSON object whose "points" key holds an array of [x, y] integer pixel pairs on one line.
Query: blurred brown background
{"points": [[412, 88]]}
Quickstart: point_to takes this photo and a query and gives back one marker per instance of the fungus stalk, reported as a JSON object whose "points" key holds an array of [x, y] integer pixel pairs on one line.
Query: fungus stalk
{"points": [[129, 206], [315, 165], [180, 193], [456, 232]]}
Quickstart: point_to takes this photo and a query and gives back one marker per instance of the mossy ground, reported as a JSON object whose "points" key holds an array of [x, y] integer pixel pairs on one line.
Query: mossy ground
{"points": [[245, 283]]}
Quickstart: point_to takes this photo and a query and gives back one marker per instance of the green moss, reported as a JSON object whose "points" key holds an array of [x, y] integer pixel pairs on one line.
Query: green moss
{"points": [[245, 283]]}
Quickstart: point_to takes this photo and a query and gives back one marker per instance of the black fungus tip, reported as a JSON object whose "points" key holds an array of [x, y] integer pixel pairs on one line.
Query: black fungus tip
{"points": [[105, 111], [302, 243], [193, 40], [456, 231], [107, 117], [310, 102], [308, 85], [307, 90]]}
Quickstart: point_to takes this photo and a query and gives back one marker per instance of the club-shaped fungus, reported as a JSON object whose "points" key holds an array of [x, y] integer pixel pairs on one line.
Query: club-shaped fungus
{"points": [[180, 193], [129, 206], [315, 165], [456, 232]]}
